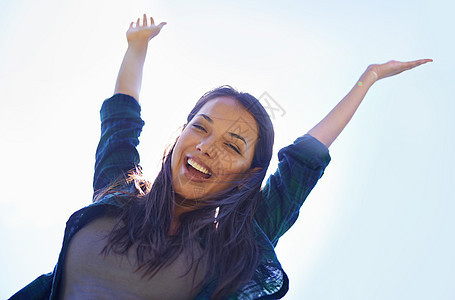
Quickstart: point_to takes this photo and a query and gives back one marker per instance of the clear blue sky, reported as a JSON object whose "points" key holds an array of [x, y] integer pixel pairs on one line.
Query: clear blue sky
{"points": [[379, 224]]}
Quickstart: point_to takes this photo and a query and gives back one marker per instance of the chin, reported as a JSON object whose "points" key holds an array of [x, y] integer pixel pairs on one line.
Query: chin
{"points": [[191, 193]]}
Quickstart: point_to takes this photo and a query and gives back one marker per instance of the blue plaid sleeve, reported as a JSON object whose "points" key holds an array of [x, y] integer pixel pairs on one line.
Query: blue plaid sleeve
{"points": [[116, 154], [300, 167], [38, 289]]}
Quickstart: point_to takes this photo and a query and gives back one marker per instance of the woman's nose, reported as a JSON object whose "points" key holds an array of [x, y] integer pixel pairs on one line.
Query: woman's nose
{"points": [[207, 147]]}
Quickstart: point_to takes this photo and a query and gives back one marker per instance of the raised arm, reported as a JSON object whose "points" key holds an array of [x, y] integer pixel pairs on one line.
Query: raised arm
{"points": [[129, 78], [327, 130], [121, 123], [302, 164]]}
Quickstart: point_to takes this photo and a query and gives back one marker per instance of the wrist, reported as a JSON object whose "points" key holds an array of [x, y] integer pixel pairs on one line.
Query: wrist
{"points": [[138, 45], [368, 78], [372, 73]]}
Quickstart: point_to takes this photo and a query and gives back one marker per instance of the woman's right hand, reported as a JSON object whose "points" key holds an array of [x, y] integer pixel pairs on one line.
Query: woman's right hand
{"points": [[138, 33]]}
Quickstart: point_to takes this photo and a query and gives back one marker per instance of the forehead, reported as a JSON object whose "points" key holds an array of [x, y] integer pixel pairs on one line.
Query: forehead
{"points": [[232, 115]]}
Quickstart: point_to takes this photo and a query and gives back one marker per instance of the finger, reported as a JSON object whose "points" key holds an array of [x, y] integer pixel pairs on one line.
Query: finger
{"points": [[132, 24], [161, 25], [138, 22], [144, 21], [415, 63], [152, 21], [426, 60], [420, 61]]}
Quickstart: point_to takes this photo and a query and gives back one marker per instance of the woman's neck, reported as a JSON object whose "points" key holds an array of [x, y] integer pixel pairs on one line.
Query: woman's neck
{"points": [[181, 206]]}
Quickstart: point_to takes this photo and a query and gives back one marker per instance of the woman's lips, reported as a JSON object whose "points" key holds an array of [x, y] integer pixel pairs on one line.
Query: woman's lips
{"points": [[193, 174]]}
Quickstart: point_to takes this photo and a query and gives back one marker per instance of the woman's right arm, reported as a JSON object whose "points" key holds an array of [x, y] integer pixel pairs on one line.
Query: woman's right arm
{"points": [[116, 154], [129, 78], [121, 122]]}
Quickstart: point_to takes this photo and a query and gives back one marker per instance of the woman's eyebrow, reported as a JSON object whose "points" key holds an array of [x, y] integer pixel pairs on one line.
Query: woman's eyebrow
{"points": [[235, 135], [207, 118], [238, 137]]}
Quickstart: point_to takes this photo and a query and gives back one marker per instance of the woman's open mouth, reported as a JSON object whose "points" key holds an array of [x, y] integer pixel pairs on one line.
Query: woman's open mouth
{"points": [[196, 170]]}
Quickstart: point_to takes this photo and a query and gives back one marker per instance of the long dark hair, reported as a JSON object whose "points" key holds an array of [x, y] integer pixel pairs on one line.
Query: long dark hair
{"points": [[222, 227]]}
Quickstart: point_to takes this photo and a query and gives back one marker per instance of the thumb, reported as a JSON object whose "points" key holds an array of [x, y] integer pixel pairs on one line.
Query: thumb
{"points": [[161, 25]]}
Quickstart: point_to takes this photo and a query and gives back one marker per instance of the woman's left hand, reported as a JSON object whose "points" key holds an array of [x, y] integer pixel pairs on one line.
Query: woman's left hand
{"points": [[394, 67]]}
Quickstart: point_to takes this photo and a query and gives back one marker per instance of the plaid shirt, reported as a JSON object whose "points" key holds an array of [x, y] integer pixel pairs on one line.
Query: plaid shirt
{"points": [[300, 167]]}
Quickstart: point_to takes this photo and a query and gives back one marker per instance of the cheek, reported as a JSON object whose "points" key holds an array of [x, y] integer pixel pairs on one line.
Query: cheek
{"points": [[233, 166], [184, 143], [176, 155]]}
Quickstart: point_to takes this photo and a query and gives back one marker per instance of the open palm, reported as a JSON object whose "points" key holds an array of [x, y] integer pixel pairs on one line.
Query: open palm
{"points": [[143, 32], [394, 67]]}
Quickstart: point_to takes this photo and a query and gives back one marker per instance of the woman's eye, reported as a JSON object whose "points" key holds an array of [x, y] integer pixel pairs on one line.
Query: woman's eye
{"points": [[234, 148], [199, 127]]}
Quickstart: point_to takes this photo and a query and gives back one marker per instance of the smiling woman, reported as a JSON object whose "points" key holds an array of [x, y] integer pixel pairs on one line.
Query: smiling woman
{"points": [[219, 141], [208, 189], [204, 228]]}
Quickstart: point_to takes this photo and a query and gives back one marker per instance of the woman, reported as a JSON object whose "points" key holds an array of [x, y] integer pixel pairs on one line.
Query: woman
{"points": [[204, 229]]}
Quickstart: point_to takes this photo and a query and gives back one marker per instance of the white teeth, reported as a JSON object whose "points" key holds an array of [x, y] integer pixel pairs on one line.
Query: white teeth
{"points": [[198, 166]]}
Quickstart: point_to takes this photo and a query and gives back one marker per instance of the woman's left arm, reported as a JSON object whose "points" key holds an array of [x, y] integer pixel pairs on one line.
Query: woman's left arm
{"points": [[302, 164], [328, 129]]}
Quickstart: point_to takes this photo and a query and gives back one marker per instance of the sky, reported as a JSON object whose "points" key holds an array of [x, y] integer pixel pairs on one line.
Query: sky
{"points": [[378, 225]]}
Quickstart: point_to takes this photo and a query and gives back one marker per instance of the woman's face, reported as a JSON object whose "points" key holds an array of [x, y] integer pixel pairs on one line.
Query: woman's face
{"points": [[214, 150]]}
